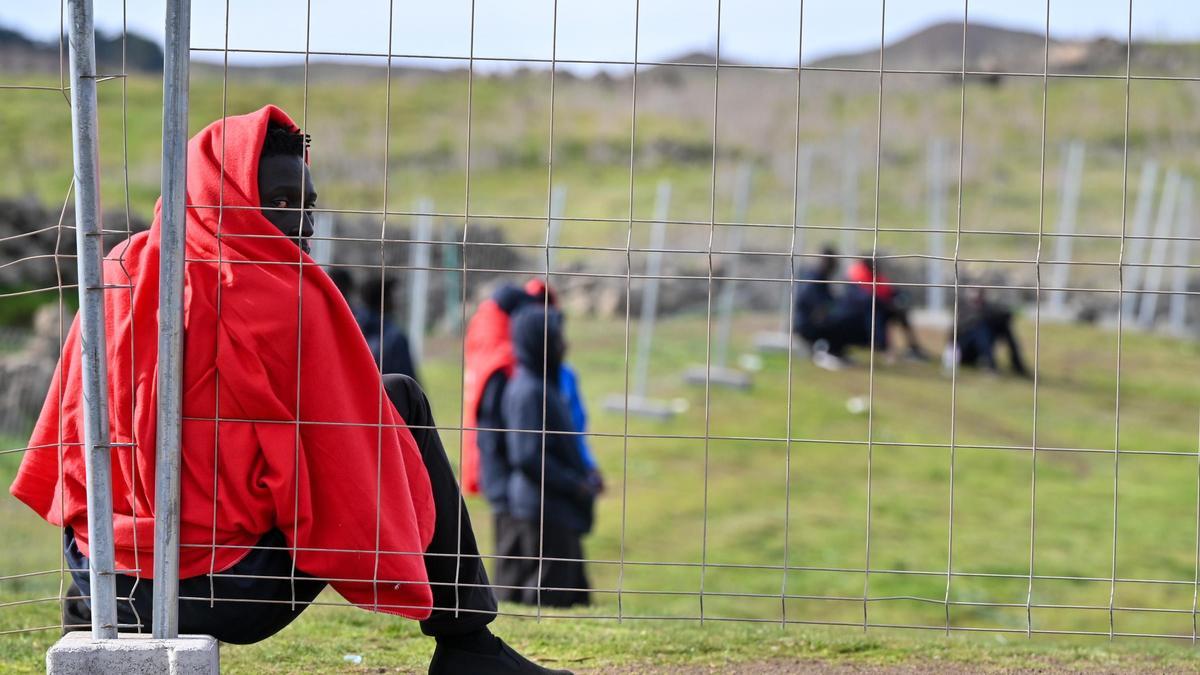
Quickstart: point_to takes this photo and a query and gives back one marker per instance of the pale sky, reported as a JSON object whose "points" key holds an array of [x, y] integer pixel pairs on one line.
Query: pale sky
{"points": [[752, 31]]}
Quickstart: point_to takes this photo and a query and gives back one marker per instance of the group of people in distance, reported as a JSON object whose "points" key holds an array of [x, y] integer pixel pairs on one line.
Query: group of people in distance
{"points": [[524, 446], [832, 314], [521, 399], [524, 443]]}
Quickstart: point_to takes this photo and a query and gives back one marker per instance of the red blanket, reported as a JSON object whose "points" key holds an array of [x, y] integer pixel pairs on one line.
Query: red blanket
{"points": [[306, 441], [488, 349]]}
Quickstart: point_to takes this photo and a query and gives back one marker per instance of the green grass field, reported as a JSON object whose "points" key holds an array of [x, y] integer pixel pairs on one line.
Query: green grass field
{"points": [[664, 515]]}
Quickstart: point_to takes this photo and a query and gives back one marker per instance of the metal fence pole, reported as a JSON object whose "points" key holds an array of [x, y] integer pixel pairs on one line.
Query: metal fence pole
{"points": [[85, 129], [170, 322], [321, 243], [728, 298], [1135, 243], [849, 239], [936, 298], [420, 258], [1072, 179], [658, 241], [1177, 312], [1153, 274], [453, 322], [558, 205], [803, 188]]}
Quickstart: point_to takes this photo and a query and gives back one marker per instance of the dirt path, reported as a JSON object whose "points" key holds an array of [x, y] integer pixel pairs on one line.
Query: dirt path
{"points": [[827, 668]]}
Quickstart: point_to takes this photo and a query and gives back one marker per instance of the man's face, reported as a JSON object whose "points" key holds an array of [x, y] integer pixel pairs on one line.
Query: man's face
{"points": [[286, 193]]}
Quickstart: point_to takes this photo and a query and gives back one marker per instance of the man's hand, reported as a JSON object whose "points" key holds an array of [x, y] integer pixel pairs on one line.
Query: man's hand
{"points": [[596, 480]]}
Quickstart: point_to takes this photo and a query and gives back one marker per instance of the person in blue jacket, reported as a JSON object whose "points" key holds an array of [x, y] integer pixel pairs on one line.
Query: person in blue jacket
{"points": [[551, 495], [541, 295]]}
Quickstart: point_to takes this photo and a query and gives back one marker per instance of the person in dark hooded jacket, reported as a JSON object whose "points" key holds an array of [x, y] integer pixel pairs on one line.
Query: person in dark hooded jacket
{"points": [[389, 345], [550, 495]]}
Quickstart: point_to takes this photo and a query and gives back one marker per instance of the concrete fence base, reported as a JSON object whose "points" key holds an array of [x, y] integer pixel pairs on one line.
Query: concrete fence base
{"points": [[133, 654]]}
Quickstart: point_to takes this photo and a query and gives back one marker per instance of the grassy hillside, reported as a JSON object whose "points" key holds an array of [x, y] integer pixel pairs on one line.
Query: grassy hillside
{"points": [[665, 515], [409, 138]]}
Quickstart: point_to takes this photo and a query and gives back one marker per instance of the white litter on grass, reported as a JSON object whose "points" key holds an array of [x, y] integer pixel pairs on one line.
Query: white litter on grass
{"points": [[356, 659], [750, 362], [857, 405], [679, 405]]}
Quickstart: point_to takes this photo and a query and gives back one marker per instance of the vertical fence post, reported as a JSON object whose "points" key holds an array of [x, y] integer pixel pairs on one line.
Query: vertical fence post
{"points": [[420, 259], [936, 298], [658, 241], [1179, 300], [850, 195], [800, 222], [1153, 275], [453, 321], [321, 243], [1142, 213], [728, 297], [1072, 178], [89, 259], [558, 205], [170, 319]]}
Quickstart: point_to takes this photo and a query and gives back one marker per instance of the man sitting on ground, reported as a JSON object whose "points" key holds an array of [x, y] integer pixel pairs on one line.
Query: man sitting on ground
{"points": [[891, 305], [820, 319], [302, 466], [982, 324]]}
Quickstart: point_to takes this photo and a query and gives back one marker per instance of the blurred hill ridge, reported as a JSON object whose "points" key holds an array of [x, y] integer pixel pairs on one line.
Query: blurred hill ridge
{"points": [[939, 46]]}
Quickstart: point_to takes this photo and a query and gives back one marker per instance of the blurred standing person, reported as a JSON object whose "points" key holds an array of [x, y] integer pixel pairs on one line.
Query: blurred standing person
{"points": [[550, 495], [489, 363], [569, 385], [388, 343]]}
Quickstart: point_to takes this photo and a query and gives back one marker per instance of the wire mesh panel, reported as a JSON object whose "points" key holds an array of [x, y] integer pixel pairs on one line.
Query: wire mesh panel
{"points": [[975, 240]]}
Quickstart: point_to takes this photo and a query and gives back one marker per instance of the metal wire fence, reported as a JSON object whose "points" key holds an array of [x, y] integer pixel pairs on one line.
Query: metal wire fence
{"points": [[887, 494]]}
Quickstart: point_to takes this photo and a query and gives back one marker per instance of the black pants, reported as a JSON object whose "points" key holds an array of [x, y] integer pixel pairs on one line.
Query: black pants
{"points": [[838, 331], [978, 343], [456, 573], [546, 567]]}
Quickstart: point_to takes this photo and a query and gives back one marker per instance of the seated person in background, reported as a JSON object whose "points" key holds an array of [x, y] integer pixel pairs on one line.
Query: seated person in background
{"points": [[891, 305], [388, 343], [271, 510], [820, 319], [489, 365], [981, 325], [569, 385], [550, 495]]}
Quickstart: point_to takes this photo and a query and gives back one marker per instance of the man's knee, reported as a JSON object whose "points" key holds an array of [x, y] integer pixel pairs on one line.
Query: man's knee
{"points": [[403, 392]]}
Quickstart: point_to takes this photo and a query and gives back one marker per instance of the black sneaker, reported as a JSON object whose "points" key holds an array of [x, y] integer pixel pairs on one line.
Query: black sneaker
{"points": [[449, 661]]}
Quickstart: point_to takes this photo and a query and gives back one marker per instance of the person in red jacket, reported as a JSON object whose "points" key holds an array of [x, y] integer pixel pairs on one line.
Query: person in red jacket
{"points": [[891, 306], [302, 465], [489, 361]]}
